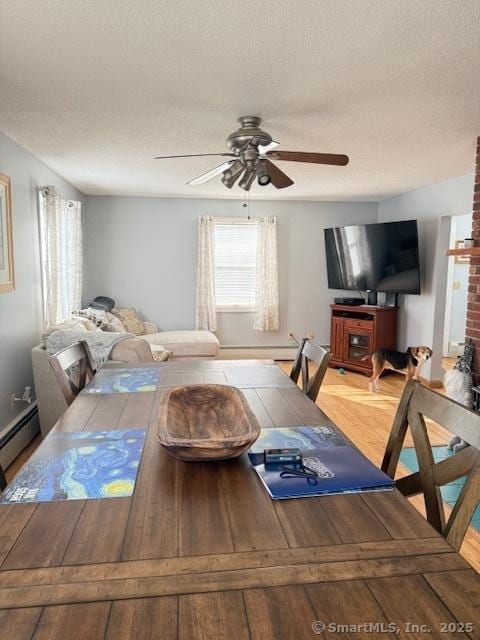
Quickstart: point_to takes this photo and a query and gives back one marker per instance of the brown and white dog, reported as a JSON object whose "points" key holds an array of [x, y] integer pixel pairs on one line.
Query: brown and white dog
{"points": [[409, 363]]}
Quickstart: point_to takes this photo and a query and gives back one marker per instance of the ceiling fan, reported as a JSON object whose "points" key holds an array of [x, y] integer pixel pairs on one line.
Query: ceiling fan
{"points": [[251, 153]]}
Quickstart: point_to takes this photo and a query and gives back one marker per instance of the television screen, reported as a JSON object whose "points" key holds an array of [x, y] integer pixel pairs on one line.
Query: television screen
{"points": [[374, 257]]}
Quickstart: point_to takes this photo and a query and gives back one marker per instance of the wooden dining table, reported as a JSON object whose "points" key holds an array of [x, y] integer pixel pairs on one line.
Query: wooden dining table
{"points": [[201, 551]]}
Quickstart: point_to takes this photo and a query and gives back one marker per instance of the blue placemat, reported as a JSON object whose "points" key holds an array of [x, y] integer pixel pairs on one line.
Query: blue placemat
{"points": [[75, 466], [124, 380]]}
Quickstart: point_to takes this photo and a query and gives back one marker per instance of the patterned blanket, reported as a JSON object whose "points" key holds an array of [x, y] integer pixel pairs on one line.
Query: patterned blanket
{"points": [[100, 343]]}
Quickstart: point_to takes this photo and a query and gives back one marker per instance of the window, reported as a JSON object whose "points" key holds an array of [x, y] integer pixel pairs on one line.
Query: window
{"points": [[235, 265]]}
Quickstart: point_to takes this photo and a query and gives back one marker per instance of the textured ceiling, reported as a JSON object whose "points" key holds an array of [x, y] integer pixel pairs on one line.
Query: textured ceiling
{"points": [[97, 88]]}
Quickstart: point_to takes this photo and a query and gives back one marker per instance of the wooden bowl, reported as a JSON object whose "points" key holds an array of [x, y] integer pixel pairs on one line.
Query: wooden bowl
{"points": [[206, 422]]}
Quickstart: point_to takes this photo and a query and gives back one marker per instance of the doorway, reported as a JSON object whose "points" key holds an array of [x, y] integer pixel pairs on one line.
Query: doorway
{"points": [[457, 290]]}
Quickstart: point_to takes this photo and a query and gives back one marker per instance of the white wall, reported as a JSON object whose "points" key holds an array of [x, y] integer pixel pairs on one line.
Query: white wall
{"points": [[20, 310], [142, 252], [421, 317]]}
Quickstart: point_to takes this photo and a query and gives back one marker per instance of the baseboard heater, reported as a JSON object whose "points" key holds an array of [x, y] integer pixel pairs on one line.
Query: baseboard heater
{"points": [[18, 434], [246, 352]]}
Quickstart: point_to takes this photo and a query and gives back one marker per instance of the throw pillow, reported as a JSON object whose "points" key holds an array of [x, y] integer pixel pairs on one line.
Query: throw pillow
{"points": [[113, 324], [130, 320]]}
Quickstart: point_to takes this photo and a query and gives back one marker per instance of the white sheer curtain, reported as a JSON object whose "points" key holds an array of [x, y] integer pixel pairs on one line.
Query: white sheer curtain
{"points": [[266, 297], [205, 312], [62, 255]]}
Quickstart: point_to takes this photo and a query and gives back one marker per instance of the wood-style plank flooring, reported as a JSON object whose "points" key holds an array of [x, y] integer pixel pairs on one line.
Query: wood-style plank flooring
{"points": [[366, 419]]}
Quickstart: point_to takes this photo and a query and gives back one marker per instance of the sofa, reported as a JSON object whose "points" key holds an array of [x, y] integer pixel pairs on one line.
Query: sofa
{"points": [[151, 346], [183, 343]]}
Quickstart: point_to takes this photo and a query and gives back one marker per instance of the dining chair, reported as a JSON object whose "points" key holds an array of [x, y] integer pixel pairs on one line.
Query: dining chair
{"points": [[417, 403], [73, 368], [3, 480], [308, 352]]}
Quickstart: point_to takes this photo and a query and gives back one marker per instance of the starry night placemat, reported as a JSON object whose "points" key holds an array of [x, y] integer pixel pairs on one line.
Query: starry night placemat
{"points": [[124, 380], [78, 466]]}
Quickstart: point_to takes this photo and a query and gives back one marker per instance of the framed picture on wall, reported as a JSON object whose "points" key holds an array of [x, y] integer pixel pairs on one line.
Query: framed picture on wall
{"points": [[7, 280], [460, 244]]}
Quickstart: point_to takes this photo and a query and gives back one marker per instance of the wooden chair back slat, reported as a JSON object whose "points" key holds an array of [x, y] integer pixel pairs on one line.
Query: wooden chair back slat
{"points": [[431, 492], [397, 433], [3, 480], [309, 351], [465, 506], [297, 363], [416, 403], [444, 471], [78, 358]]}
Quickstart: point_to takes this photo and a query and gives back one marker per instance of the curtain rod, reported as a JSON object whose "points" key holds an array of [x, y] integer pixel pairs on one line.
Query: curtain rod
{"points": [[50, 190], [235, 220], [247, 220]]}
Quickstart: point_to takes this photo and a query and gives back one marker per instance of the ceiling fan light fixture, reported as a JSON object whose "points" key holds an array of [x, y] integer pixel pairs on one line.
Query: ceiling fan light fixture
{"points": [[231, 175], [263, 177], [247, 179]]}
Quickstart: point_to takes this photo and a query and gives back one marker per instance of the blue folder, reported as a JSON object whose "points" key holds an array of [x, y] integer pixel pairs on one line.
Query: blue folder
{"points": [[341, 469]]}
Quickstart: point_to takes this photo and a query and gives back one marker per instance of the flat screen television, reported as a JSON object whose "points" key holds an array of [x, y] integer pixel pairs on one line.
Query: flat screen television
{"points": [[374, 257]]}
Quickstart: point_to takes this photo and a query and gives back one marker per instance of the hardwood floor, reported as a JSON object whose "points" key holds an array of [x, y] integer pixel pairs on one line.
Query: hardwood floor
{"points": [[449, 362], [366, 419], [21, 459]]}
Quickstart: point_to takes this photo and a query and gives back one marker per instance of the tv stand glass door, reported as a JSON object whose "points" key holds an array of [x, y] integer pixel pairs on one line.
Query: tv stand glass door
{"points": [[357, 344]]}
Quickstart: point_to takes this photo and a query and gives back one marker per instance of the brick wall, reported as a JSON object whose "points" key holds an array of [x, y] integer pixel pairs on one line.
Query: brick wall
{"points": [[473, 306]]}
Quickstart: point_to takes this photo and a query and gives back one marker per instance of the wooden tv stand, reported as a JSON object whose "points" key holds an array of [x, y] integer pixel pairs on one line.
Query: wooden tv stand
{"points": [[357, 331]]}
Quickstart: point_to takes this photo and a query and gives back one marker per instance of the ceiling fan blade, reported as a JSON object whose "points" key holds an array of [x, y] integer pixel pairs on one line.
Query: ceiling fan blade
{"points": [[316, 158], [212, 173], [197, 155], [279, 179], [263, 149]]}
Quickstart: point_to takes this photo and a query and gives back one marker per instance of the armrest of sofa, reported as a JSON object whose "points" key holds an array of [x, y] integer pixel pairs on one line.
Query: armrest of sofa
{"points": [[132, 350], [150, 327], [50, 399]]}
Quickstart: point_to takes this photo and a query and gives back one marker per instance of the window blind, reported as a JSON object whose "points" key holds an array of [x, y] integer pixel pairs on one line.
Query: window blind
{"points": [[235, 264]]}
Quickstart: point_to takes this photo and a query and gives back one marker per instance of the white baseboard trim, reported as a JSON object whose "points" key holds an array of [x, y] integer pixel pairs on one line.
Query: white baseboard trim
{"points": [[255, 352], [18, 434]]}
